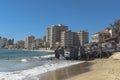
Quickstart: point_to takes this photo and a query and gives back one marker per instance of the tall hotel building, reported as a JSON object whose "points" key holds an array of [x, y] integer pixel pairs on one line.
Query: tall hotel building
{"points": [[67, 38], [29, 40], [83, 37], [53, 34]]}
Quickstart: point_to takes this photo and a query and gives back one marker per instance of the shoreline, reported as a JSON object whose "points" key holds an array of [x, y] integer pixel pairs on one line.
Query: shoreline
{"points": [[37, 50], [30, 50], [22, 75], [102, 69], [64, 73], [98, 69]]}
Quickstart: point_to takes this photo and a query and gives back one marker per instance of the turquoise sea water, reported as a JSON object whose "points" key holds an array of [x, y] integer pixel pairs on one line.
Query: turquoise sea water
{"points": [[14, 60], [29, 65]]}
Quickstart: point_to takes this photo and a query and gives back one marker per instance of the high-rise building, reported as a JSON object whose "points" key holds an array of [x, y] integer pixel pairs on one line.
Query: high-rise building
{"points": [[20, 44], [83, 37], [10, 42], [66, 39], [80, 38], [39, 43], [76, 40], [44, 38], [29, 40], [53, 34], [4, 42], [1, 42]]}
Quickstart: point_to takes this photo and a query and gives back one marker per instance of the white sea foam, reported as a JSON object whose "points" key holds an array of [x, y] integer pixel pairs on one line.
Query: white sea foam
{"points": [[23, 60], [36, 57], [48, 56], [50, 66]]}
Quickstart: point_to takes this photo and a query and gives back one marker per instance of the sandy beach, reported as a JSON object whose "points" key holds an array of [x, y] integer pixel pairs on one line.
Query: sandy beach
{"points": [[98, 69], [103, 69], [64, 73]]}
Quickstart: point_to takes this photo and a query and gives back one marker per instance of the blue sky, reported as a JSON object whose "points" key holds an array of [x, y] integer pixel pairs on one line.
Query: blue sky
{"points": [[20, 18]]}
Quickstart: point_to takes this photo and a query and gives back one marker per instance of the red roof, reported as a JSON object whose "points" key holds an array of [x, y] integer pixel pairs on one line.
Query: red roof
{"points": [[104, 31]]}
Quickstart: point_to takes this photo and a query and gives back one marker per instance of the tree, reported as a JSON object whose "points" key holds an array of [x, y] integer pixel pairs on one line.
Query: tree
{"points": [[116, 28], [117, 23]]}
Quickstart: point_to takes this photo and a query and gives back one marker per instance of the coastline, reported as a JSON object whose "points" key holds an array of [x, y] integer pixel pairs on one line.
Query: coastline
{"points": [[45, 50], [103, 69], [29, 50], [38, 50], [64, 73], [98, 69], [48, 67]]}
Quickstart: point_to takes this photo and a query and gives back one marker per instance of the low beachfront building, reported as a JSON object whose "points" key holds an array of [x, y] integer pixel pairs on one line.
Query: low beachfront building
{"points": [[100, 36]]}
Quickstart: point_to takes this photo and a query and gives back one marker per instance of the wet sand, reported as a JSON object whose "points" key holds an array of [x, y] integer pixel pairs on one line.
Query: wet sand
{"points": [[103, 69], [67, 72], [98, 69]]}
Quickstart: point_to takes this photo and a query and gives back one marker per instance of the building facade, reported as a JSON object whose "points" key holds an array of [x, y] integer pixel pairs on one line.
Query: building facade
{"points": [[101, 36], [96, 37], [81, 37], [4, 42], [1, 43], [39, 43], [66, 39], [76, 40], [29, 42], [53, 34], [10, 42], [20, 44]]}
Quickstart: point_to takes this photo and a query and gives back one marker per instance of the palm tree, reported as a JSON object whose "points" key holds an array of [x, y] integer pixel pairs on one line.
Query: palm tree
{"points": [[117, 23], [117, 28]]}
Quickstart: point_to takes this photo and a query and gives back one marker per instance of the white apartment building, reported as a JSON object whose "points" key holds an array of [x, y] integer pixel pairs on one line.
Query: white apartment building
{"points": [[29, 42], [66, 38], [53, 34]]}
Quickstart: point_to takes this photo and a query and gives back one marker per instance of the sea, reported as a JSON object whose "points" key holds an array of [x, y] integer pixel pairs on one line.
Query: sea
{"points": [[22, 64]]}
